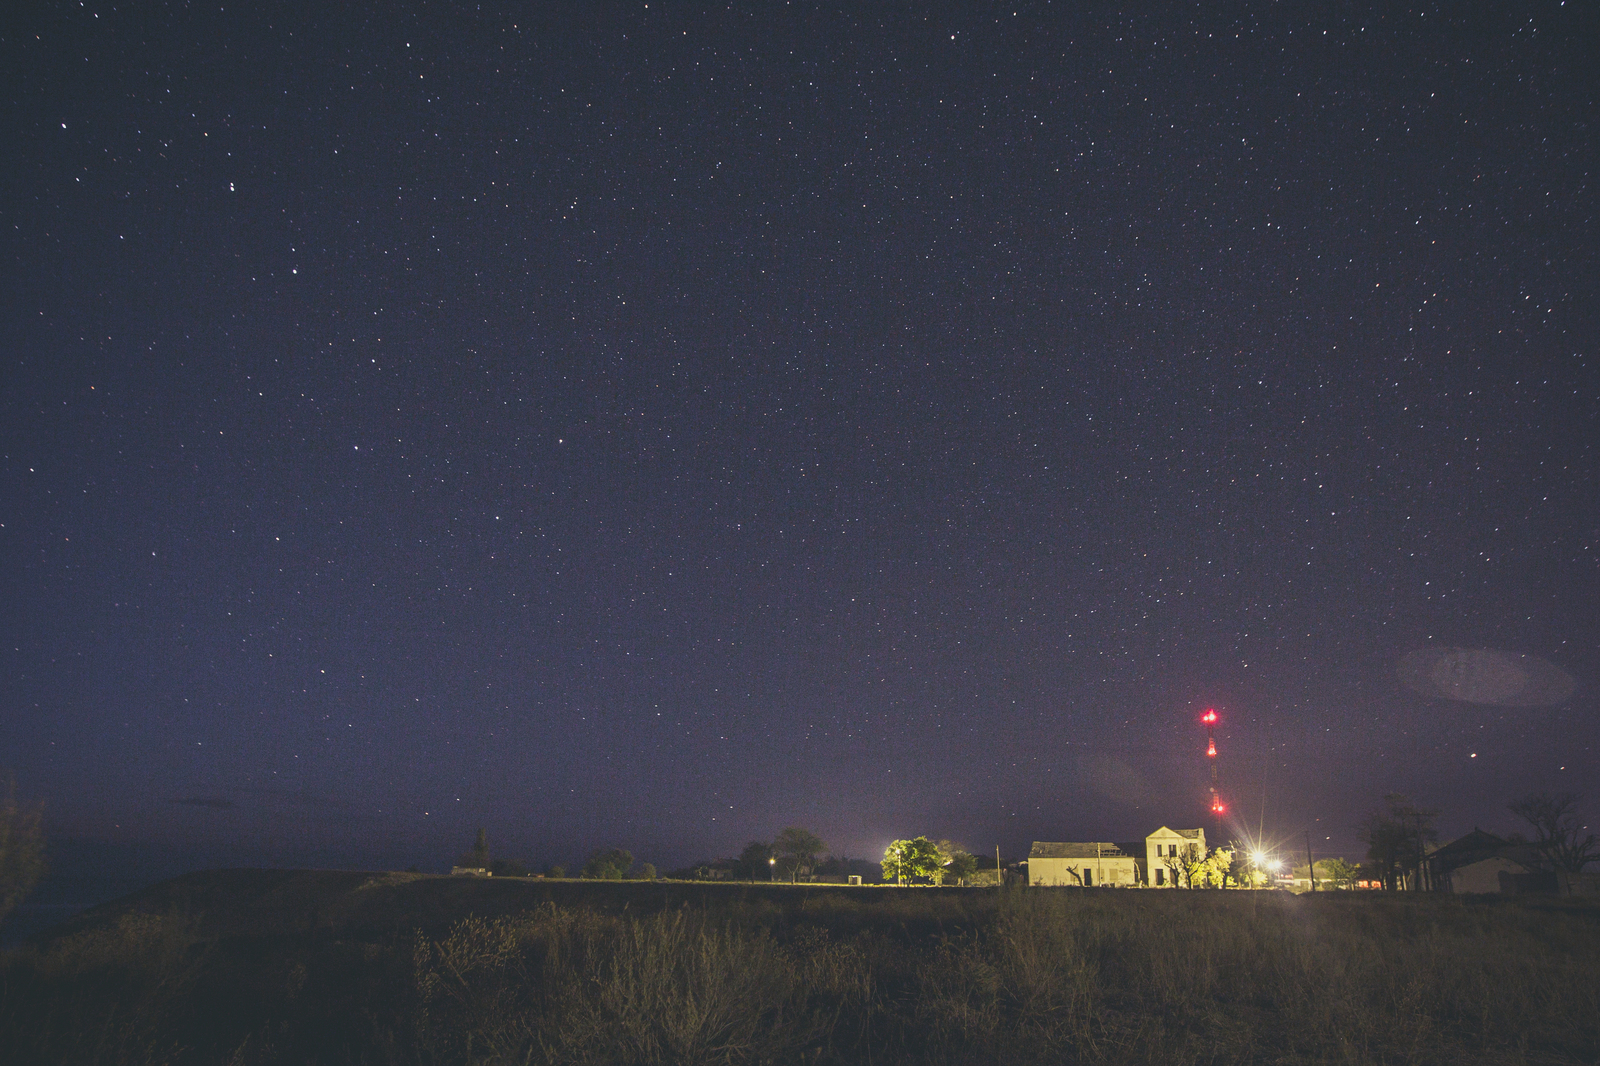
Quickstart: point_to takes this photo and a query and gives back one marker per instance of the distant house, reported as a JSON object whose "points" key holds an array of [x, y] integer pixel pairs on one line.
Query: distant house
{"points": [[1166, 848], [470, 871], [1082, 865], [1484, 863]]}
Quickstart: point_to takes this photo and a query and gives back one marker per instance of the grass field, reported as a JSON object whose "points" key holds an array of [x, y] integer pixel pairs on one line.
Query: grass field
{"points": [[251, 967]]}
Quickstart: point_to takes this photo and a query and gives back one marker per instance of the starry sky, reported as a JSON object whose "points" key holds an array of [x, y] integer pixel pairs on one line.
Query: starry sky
{"points": [[654, 425]]}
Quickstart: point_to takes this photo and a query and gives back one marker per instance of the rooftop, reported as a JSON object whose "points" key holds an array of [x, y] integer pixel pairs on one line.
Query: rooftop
{"points": [[1049, 849]]}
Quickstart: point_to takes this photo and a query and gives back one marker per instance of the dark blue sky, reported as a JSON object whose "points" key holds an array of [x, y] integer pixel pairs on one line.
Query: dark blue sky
{"points": [[652, 426]]}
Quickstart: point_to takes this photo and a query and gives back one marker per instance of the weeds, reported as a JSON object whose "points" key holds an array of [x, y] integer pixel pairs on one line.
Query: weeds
{"points": [[887, 976]]}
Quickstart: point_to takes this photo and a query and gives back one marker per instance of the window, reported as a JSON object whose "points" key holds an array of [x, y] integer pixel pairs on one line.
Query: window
{"points": [[1088, 877], [1161, 877]]}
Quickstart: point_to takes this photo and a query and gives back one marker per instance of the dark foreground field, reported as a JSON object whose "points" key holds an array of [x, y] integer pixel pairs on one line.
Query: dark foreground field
{"points": [[252, 967]]}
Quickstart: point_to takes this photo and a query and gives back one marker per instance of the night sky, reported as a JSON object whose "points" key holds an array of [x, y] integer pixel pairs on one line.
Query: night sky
{"points": [[651, 426]]}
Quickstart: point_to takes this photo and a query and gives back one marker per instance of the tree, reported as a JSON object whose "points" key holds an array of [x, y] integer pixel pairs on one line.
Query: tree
{"points": [[647, 871], [478, 857], [1554, 818], [1182, 867], [609, 865], [21, 849], [508, 868], [955, 862], [906, 859], [798, 849], [1340, 872], [754, 861], [1214, 870], [1397, 841]]}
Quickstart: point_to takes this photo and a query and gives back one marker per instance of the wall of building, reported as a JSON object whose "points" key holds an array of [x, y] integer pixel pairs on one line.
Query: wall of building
{"points": [[1158, 846], [1118, 872]]}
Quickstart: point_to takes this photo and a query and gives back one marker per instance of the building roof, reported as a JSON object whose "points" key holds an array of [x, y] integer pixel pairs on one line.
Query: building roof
{"points": [[1048, 849], [1192, 834], [1471, 848]]}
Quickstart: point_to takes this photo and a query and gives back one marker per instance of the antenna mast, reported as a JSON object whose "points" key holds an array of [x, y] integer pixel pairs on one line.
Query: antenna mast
{"points": [[1210, 720]]}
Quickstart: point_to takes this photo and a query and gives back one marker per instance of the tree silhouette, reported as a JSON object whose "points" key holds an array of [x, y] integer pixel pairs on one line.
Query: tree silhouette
{"points": [[21, 849], [1554, 818], [798, 849], [608, 865], [753, 860], [1397, 840]]}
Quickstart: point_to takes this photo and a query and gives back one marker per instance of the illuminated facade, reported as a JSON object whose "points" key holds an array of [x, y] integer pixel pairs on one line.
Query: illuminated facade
{"points": [[1102, 864], [1165, 848]]}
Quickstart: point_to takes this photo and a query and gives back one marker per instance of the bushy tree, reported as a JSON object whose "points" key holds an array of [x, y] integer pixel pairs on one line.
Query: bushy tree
{"points": [[797, 850], [1340, 872], [609, 865], [905, 860], [21, 849], [647, 871], [956, 863], [1555, 822], [753, 861], [1215, 870]]}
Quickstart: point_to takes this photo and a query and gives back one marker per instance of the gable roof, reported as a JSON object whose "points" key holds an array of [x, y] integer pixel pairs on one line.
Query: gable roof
{"points": [[1049, 849], [1191, 834], [1468, 849]]}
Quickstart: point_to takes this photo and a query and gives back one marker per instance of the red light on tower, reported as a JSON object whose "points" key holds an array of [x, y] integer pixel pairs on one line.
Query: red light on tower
{"points": [[1210, 720]]}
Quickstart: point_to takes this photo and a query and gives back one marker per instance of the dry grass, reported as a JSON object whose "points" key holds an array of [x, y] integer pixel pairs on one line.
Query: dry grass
{"points": [[886, 976]]}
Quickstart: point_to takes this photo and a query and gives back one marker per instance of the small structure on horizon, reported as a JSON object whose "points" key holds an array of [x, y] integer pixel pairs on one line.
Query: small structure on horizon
{"points": [[471, 871]]}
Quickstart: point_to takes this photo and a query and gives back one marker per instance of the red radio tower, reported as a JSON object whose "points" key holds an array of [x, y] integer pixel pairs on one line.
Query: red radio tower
{"points": [[1210, 719]]}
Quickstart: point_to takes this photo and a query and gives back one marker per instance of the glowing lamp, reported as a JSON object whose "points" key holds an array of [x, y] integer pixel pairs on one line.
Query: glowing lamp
{"points": [[1257, 858], [1212, 749], [1209, 717]]}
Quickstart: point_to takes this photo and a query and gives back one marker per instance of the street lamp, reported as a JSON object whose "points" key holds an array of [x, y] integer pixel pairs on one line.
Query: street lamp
{"points": [[772, 868]]}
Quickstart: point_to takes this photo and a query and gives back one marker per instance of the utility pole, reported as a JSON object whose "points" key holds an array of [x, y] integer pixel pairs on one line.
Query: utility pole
{"points": [[999, 877], [1311, 863]]}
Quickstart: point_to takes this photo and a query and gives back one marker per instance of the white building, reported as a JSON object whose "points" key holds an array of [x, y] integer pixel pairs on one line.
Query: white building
{"points": [[1166, 848], [1157, 862]]}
